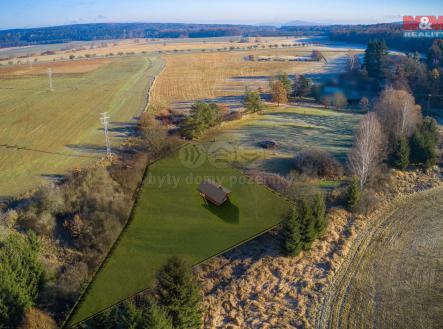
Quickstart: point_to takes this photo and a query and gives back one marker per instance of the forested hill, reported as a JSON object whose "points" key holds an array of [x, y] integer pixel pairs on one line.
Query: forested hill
{"points": [[106, 31], [391, 33]]}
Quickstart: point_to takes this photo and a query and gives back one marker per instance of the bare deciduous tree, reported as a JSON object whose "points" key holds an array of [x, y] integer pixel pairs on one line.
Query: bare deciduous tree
{"points": [[398, 113], [366, 153]]}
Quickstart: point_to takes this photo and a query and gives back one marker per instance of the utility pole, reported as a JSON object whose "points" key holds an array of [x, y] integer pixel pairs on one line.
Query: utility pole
{"points": [[105, 122], [51, 88]]}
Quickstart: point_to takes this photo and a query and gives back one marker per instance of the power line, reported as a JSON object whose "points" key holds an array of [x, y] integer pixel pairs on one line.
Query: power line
{"points": [[51, 88], [105, 122]]}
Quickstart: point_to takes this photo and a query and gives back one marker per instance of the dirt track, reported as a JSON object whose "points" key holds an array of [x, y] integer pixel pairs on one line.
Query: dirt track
{"points": [[393, 275]]}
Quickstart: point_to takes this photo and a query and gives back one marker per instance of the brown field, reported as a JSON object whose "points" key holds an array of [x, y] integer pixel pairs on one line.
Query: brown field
{"points": [[223, 76], [102, 48], [393, 276], [80, 66]]}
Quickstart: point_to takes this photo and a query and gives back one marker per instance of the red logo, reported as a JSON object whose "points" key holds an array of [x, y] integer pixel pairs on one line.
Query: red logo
{"points": [[423, 23]]}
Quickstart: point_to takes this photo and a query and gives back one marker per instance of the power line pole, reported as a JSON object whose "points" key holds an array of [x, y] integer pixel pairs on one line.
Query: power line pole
{"points": [[51, 88], [105, 122]]}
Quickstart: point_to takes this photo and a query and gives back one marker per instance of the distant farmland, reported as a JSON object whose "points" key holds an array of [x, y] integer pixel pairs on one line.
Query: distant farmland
{"points": [[223, 77], [43, 134]]}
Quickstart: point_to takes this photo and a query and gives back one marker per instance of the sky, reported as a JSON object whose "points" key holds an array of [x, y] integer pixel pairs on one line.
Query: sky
{"points": [[38, 13]]}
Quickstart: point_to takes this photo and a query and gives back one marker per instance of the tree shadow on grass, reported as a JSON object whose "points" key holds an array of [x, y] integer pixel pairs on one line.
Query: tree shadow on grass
{"points": [[227, 212]]}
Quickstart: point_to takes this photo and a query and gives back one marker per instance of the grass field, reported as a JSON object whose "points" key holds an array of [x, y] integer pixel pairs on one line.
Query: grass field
{"points": [[223, 77], [292, 129], [393, 276], [43, 134], [172, 219]]}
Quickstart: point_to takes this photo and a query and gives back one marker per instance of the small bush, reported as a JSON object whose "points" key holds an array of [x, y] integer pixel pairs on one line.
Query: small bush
{"points": [[369, 202], [233, 116], [353, 195], [317, 164]]}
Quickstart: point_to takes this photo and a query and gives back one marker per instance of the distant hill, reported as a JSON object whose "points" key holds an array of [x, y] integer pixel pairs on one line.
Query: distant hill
{"points": [[301, 23], [106, 31]]}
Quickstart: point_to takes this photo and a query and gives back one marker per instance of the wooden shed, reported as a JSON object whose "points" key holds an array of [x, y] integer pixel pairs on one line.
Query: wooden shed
{"points": [[214, 192]]}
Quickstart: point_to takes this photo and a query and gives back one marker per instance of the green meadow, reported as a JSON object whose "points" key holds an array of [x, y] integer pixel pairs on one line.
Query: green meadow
{"points": [[292, 129], [171, 218]]}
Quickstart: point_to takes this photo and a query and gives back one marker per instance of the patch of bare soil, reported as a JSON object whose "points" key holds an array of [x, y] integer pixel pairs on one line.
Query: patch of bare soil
{"points": [[254, 286]]}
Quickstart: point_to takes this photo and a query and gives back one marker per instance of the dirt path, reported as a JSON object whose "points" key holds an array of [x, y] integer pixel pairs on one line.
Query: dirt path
{"points": [[393, 275]]}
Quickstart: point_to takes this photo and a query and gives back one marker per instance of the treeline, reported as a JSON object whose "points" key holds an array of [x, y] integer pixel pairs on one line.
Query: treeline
{"points": [[109, 31], [391, 33]]}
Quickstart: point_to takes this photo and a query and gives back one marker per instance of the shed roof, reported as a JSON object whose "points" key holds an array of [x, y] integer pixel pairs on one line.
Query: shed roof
{"points": [[214, 191]]}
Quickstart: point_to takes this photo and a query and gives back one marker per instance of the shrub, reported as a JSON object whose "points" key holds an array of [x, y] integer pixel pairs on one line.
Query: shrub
{"points": [[319, 211], [36, 319], [317, 163], [69, 283], [233, 116], [41, 222], [10, 218], [156, 140], [369, 202], [339, 100], [353, 195], [253, 102]]}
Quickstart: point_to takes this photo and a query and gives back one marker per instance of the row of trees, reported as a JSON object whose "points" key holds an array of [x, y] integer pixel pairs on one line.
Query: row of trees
{"points": [[176, 304], [307, 222], [282, 88], [394, 133]]}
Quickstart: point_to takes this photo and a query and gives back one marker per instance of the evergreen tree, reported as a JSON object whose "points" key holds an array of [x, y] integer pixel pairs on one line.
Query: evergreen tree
{"points": [[155, 317], [179, 294], [424, 143], [319, 210], [284, 79], [400, 155], [202, 117], [253, 102], [307, 220], [20, 277], [292, 243], [375, 59], [302, 86], [353, 195]]}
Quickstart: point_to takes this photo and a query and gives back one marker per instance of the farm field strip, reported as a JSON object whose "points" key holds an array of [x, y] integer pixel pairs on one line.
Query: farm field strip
{"points": [[44, 133], [223, 77]]}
